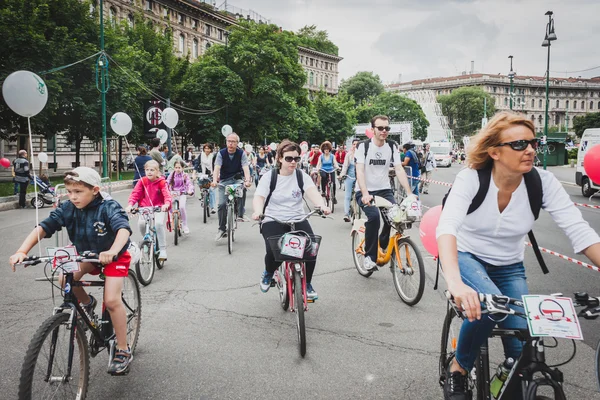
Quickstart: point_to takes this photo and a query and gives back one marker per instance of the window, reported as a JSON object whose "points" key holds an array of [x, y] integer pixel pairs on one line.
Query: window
{"points": [[574, 104], [599, 105], [557, 103], [326, 81], [567, 104], [494, 89], [220, 34], [311, 79], [301, 59], [533, 119], [112, 16], [51, 144], [165, 12], [180, 19], [208, 30], [181, 43], [591, 105], [148, 5], [194, 24], [540, 119], [505, 90], [532, 103], [540, 103], [208, 44], [195, 48], [311, 62], [506, 101]]}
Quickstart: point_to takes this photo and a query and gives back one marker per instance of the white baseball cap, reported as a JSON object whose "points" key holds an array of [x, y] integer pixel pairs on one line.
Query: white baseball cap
{"points": [[85, 175]]}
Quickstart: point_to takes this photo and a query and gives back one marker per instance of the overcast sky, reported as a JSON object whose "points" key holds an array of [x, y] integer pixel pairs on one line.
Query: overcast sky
{"points": [[431, 38]]}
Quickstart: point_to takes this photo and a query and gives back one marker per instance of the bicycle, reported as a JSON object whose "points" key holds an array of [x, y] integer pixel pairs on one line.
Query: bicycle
{"points": [[149, 247], [531, 362], [174, 218], [329, 198], [233, 193], [354, 211], [204, 195], [290, 277], [57, 359], [406, 263]]}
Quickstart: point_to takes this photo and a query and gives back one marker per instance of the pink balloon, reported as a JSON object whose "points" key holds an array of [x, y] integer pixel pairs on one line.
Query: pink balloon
{"points": [[591, 163], [5, 162], [369, 133], [429, 223]]}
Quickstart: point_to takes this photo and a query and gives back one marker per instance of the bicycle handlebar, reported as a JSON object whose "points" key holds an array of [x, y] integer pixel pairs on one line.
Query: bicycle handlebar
{"points": [[85, 257], [295, 221], [145, 210]]}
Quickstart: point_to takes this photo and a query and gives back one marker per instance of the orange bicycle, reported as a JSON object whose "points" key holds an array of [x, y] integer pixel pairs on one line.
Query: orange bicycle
{"points": [[403, 256]]}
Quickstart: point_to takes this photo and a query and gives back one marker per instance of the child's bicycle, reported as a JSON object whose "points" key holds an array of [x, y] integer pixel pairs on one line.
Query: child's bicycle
{"points": [[149, 247], [57, 363], [406, 263], [174, 218]]}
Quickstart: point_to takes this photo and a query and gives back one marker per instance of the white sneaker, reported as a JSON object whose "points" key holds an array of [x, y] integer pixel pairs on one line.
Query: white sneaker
{"points": [[369, 265], [186, 230], [162, 255]]}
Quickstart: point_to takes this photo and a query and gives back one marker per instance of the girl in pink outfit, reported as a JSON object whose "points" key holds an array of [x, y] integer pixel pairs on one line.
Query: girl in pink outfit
{"points": [[152, 191], [180, 182]]}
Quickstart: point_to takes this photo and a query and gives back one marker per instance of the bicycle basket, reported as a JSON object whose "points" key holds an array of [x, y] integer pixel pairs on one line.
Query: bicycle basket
{"points": [[239, 191], [204, 183], [279, 244]]}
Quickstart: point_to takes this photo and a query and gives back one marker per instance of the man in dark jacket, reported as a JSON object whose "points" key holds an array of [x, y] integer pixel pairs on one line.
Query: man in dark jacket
{"points": [[22, 175]]}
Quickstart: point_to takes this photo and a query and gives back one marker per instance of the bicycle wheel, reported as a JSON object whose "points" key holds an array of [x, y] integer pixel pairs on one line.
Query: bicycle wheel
{"points": [[159, 264], [281, 282], [205, 205], [132, 300], [230, 229], [598, 365], [332, 198], [358, 254], [43, 375], [299, 308], [175, 229], [408, 271], [146, 265]]}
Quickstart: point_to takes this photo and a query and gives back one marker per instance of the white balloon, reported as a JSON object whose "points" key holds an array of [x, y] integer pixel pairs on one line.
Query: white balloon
{"points": [[42, 157], [162, 135], [170, 117], [240, 145], [273, 146], [25, 93], [248, 148], [226, 130], [121, 123]]}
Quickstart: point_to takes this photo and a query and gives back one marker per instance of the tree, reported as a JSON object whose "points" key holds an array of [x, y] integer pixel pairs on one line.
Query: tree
{"points": [[336, 118], [583, 122], [362, 86], [399, 109], [464, 108], [309, 36]]}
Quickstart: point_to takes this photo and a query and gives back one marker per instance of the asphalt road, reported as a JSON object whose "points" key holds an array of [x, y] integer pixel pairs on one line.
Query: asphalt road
{"points": [[209, 333]]}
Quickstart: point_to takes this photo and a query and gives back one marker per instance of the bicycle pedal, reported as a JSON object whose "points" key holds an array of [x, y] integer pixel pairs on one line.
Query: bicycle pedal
{"points": [[273, 283], [126, 372], [310, 301]]}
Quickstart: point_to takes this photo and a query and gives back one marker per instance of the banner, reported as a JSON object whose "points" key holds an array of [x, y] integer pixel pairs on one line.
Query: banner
{"points": [[153, 120]]}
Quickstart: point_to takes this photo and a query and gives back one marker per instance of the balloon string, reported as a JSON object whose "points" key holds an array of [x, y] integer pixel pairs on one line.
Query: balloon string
{"points": [[37, 210]]}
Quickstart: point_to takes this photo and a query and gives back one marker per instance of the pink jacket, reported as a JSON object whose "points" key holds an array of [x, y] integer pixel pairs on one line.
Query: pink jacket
{"points": [[180, 182], [157, 193]]}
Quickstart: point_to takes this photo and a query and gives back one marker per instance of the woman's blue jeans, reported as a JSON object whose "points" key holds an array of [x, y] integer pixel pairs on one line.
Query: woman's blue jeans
{"points": [[348, 195], [211, 198], [508, 280]]}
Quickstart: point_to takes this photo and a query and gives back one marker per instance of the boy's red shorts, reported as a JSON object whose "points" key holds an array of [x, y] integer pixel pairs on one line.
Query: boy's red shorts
{"points": [[117, 269]]}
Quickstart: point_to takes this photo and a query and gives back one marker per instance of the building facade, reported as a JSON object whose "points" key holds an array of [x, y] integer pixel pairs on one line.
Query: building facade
{"points": [[568, 97], [321, 70]]}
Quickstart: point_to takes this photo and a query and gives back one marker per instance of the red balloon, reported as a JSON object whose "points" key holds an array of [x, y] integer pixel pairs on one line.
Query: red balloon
{"points": [[429, 224], [369, 133], [5, 162], [591, 163]]}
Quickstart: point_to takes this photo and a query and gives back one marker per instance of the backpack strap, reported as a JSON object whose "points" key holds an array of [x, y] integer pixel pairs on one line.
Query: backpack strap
{"points": [[533, 183], [272, 185]]}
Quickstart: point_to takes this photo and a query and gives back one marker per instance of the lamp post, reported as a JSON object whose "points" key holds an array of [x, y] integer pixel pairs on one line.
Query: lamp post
{"points": [[550, 36], [511, 75], [227, 65], [102, 65]]}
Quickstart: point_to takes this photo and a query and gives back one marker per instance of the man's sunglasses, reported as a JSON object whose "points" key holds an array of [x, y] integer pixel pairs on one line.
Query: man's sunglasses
{"points": [[382, 128], [520, 145], [290, 159]]}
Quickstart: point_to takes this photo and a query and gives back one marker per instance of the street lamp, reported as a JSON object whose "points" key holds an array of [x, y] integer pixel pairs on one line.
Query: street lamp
{"points": [[227, 65], [511, 75], [550, 36]]}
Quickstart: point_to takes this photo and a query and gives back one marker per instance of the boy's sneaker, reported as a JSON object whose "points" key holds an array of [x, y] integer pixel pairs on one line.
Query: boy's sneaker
{"points": [[311, 295], [220, 235], [89, 308], [265, 281], [120, 363], [334, 200], [456, 386], [346, 218], [162, 255], [369, 264], [186, 230], [213, 211]]}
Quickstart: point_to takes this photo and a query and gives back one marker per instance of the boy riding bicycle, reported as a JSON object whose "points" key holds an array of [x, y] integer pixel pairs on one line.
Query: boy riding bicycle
{"points": [[98, 224]]}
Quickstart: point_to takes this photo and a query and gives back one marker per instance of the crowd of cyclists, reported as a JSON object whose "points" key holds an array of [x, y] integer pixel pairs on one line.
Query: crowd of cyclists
{"points": [[480, 249]]}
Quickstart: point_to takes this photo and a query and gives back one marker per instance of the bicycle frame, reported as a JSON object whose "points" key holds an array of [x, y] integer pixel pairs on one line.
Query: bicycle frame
{"points": [[291, 267], [150, 230]]}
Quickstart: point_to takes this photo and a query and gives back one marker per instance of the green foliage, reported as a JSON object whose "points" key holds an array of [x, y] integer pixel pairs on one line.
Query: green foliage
{"points": [[336, 118], [310, 37], [464, 108], [398, 108], [583, 122], [362, 86], [572, 153]]}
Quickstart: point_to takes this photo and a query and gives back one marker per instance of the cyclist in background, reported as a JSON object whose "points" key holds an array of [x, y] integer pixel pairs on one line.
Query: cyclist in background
{"points": [[326, 167], [411, 160], [206, 165], [99, 225], [349, 170], [261, 161], [285, 203], [152, 191], [179, 181], [483, 251], [157, 155]]}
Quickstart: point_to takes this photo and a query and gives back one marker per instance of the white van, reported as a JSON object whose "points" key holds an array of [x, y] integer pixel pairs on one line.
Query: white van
{"points": [[441, 152], [590, 138]]}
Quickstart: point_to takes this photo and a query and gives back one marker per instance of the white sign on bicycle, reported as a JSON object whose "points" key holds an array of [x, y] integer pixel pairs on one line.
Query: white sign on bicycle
{"points": [[293, 245], [552, 316], [61, 254]]}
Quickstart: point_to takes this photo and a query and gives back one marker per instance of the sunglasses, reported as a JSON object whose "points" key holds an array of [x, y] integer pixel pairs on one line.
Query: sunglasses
{"points": [[290, 159], [382, 128], [520, 145]]}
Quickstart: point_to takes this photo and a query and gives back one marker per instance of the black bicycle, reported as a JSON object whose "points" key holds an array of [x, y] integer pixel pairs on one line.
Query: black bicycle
{"points": [[204, 195], [57, 363], [529, 372]]}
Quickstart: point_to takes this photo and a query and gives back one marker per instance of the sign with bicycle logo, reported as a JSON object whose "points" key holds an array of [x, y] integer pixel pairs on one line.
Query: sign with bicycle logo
{"points": [[293, 245], [552, 316], [60, 255]]}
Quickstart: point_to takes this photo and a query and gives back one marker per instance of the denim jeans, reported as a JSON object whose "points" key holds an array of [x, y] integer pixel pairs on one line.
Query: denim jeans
{"points": [[211, 198], [373, 223], [348, 195], [414, 185], [222, 211], [508, 280]]}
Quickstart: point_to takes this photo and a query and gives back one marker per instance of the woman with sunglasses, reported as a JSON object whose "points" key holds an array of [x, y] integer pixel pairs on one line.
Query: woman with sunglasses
{"points": [[326, 166], [349, 170], [483, 251], [284, 204]]}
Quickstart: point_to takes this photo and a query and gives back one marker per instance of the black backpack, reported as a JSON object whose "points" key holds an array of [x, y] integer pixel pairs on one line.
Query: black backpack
{"points": [[273, 184], [390, 143], [533, 183]]}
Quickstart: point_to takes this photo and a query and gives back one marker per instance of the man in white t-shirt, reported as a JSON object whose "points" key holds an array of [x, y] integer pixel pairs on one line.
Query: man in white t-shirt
{"points": [[372, 179]]}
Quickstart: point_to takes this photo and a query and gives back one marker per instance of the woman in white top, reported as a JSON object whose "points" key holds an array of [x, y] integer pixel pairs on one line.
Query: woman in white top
{"points": [[483, 251], [206, 163], [285, 203]]}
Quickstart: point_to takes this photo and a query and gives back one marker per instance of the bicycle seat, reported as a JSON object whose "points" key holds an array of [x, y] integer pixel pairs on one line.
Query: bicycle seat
{"points": [[380, 202]]}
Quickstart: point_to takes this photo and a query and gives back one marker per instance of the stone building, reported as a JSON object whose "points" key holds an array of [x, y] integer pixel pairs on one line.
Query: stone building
{"points": [[321, 70], [568, 97]]}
